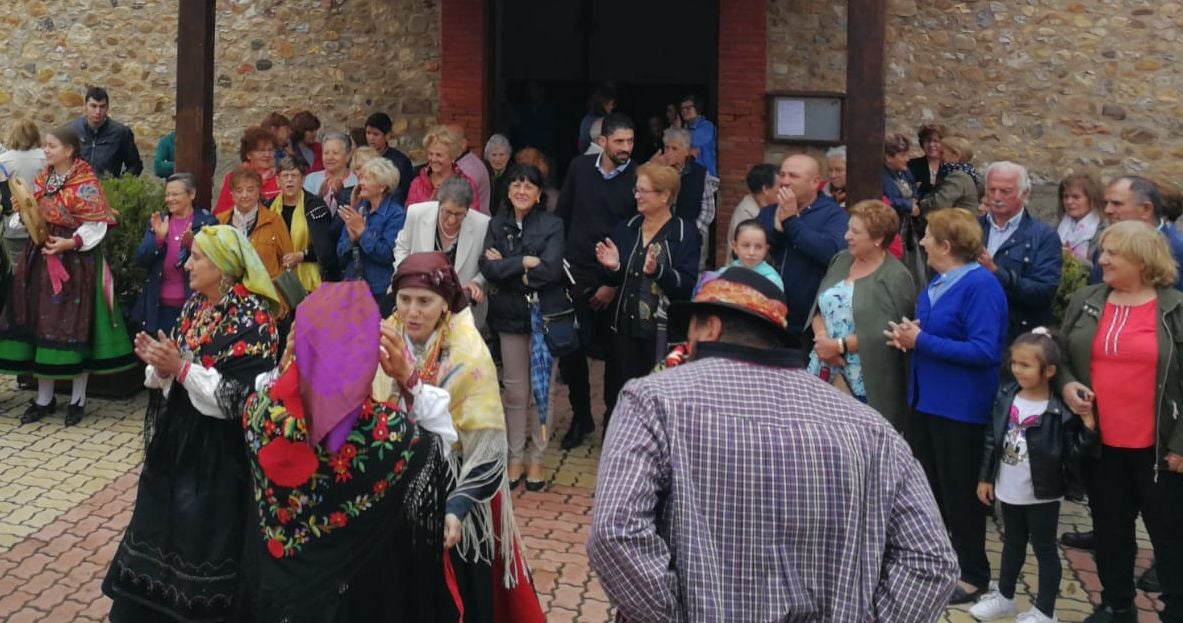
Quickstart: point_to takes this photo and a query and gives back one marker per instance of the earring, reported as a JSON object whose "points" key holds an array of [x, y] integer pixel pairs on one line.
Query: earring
{"points": [[225, 285]]}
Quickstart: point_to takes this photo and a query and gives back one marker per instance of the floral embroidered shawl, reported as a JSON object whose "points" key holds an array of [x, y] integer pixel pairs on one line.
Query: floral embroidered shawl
{"points": [[79, 199]]}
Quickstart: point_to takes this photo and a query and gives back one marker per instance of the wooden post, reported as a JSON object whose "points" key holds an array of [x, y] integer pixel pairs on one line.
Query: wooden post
{"points": [[195, 95], [866, 27]]}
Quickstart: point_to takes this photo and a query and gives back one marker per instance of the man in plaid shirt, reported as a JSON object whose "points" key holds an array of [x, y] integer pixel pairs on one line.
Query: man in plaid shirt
{"points": [[737, 487]]}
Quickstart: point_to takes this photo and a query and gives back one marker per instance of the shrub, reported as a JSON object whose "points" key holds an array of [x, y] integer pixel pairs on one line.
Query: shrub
{"points": [[1074, 277], [135, 198]]}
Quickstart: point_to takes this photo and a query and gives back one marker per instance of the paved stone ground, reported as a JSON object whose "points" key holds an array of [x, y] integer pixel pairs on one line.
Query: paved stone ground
{"points": [[66, 496]]}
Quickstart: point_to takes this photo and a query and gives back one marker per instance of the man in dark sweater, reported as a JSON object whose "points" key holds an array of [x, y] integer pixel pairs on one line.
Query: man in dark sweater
{"points": [[378, 127], [596, 196], [806, 230]]}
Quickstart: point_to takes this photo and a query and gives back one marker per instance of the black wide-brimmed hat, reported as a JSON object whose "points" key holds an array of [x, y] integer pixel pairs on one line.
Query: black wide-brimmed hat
{"points": [[740, 289]]}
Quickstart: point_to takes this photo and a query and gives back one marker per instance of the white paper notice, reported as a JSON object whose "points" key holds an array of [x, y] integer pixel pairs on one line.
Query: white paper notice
{"points": [[790, 117]]}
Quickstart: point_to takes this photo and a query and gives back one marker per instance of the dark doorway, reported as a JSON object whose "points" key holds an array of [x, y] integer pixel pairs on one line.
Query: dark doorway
{"points": [[549, 56]]}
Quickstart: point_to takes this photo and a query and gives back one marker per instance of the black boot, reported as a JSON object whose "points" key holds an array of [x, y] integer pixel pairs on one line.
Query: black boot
{"points": [[1149, 580], [35, 411], [1107, 614], [580, 427], [1079, 540]]}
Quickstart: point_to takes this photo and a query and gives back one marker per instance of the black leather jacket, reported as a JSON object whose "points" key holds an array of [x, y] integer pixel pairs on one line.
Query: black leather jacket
{"points": [[541, 236], [1056, 446]]}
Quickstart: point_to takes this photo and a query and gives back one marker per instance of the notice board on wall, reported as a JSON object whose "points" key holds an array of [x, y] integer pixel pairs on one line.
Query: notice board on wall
{"points": [[812, 118]]}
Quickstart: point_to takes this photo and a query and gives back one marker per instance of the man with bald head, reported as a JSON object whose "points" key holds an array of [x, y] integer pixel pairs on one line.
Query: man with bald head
{"points": [[474, 168], [1135, 198], [806, 230]]}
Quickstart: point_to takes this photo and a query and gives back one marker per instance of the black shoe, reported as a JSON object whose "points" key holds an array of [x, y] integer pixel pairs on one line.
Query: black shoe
{"points": [[535, 485], [962, 596], [74, 414], [35, 411], [1079, 540], [1106, 614], [575, 434], [1149, 580]]}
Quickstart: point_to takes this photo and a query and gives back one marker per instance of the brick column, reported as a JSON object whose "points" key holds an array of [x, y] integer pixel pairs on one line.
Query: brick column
{"points": [[743, 67], [464, 67]]}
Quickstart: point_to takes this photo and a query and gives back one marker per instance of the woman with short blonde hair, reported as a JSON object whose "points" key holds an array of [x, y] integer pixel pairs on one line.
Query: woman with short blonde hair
{"points": [[366, 243], [1122, 362], [443, 147]]}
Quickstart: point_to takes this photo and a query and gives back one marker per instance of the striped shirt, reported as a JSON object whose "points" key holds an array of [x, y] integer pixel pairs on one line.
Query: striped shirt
{"points": [[738, 487]]}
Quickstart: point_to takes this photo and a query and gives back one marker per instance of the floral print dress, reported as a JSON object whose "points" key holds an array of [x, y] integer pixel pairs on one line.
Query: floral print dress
{"points": [[836, 305]]}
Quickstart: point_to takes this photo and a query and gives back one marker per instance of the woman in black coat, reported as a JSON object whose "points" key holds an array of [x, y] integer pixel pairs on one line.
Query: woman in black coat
{"points": [[651, 260], [523, 263]]}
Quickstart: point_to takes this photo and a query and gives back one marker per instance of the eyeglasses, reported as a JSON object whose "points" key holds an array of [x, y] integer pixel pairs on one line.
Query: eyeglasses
{"points": [[644, 191], [453, 216]]}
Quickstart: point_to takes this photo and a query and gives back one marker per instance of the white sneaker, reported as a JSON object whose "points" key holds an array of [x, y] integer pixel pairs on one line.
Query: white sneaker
{"points": [[1034, 615], [993, 606]]}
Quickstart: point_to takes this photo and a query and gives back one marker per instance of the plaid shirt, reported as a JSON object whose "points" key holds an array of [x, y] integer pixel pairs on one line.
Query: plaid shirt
{"points": [[735, 488]]}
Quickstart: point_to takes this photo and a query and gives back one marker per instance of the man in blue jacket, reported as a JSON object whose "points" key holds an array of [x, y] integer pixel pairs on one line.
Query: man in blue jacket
{"points": [[1134, 198], [806, 230], [1023, 252]]}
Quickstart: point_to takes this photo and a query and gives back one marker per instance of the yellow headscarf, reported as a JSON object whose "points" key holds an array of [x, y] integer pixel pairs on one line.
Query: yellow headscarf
{"points": [[307, 272], [233, 254]]}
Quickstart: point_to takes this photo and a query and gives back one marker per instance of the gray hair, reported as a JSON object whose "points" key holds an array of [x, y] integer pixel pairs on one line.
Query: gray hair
{"points": [[1144, 191], [837, 153], [455, 190], [498, 141], [341, 137], [382, 172], [188, 180], [676, 134], [1006, 166]]}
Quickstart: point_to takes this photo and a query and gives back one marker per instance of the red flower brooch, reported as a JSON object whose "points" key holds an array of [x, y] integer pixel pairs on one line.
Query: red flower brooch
{"points": [[287, 464]]}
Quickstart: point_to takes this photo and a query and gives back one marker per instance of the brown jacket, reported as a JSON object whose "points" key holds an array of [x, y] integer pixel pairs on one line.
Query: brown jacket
{"points": [[269, 237]]}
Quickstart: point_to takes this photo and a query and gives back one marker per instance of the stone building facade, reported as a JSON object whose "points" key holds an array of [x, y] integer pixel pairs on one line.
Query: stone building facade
{"points": [[1060, 85], [341, 59]]}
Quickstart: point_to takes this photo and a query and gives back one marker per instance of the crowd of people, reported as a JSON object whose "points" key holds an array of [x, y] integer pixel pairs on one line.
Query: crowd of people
{"points": [[350, 363]]}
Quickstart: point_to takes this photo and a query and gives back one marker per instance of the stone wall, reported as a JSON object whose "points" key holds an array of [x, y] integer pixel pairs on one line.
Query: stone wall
{"points": [[1058, 85], [342, 59]]}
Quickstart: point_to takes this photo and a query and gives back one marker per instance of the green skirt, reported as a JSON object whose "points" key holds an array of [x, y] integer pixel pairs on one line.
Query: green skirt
{"points": [[107, 350]]}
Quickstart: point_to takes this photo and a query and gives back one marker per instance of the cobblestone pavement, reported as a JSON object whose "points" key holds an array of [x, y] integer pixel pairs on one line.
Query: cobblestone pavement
{"points": [[66, 495]]}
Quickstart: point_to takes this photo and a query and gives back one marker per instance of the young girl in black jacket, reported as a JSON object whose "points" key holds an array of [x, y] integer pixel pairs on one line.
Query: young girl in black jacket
{"points": [[1034, 447]]}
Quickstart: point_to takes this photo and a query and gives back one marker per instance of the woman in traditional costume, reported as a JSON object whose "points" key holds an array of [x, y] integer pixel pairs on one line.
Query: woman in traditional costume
{"points": [[61, 319], [486, 568], [350, 475], [179, 559]]}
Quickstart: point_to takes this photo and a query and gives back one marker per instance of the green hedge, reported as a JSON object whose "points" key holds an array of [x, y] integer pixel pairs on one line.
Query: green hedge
{"points": [[135, 198]]}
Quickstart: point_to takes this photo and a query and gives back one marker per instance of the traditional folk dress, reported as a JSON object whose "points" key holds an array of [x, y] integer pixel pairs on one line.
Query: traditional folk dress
{"points": [[349, 481], [179, 559], [61, 317], [488, 570]]}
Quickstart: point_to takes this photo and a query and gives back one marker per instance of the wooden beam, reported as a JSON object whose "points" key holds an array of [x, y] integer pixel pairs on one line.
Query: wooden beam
{"points": [[195, 95], [866, 29]]}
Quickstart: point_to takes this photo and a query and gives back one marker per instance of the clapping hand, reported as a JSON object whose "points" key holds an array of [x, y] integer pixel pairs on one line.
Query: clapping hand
{"points": [[355, 223], [903, 335], [650, 266], [786, 204], [608, 255], [159, 224], [160, 353], [392, 355]]}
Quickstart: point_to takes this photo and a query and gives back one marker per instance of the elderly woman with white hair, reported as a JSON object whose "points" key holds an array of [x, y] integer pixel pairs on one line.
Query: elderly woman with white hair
{"points": [[835, 185], [335, 181], [366, 245]]}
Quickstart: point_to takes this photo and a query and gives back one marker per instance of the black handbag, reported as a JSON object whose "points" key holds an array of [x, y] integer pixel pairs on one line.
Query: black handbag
{"points": [[561, 332]]}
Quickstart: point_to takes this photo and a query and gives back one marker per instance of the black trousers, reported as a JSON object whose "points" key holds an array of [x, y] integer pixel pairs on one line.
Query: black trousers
{"points": [[951, 454], [1034, 523], [632, 358], [1122, 483], [595, 338]]}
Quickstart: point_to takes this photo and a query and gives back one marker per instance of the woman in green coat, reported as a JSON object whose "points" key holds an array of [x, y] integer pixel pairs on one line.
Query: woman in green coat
{"points": [[864, 289], [958, 184]]}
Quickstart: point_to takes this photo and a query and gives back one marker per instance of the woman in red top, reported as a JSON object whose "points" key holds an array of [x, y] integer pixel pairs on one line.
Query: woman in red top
{"points": [[443, 147], [1123, 361], [256, 149]]}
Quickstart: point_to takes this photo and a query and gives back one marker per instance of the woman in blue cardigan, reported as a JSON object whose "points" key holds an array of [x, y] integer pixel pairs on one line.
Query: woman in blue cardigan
{"points": [[366, 246], [957, 341]]}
